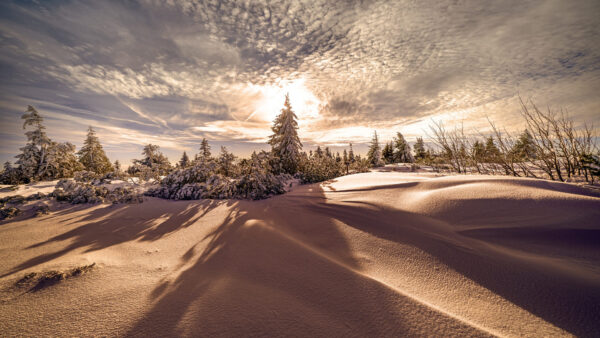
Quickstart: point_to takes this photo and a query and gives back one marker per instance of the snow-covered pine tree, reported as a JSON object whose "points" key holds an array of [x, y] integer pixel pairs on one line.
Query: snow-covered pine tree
{"points": [[225, 162], [388, 153], [92, 155], [319, 152], [351, 154], [524, 149], [62, 162], [153, 165], [184, 162], [402, 150], [285, 142], [9, 174], [117, 166], [492, 153], [33, 158], [419, 149], [204, 149], [374, 154]]}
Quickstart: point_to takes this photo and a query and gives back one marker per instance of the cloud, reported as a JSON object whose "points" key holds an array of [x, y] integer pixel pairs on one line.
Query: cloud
{"points": [[181, 70]]}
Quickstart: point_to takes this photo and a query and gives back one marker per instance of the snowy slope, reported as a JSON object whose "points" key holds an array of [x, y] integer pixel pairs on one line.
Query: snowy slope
{"points": [[375, 254]]}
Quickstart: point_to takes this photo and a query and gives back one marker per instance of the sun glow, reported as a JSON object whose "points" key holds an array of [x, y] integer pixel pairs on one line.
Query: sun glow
{"points": [[304, 103]]}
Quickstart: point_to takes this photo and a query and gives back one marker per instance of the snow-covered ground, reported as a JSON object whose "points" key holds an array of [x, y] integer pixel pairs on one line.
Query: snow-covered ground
{"points": [[374, 254], [25, 190]]}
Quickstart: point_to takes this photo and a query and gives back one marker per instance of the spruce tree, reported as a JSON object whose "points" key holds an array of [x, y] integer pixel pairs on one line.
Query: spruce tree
{"points": [[153, 165], [184, 162], [92, 155], [204, 149], [9, 174], [351, 154], [285, 142], [492, 153], [419, 149], [524, 148], [402, 150], [319, 152], [33, 158], [346, 161], [374, 154], [388, 153], [225, 161], [117, 166], [62, 161]]}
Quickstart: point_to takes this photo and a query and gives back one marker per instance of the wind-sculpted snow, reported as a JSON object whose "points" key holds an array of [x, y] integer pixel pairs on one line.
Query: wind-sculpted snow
{"points": [[379, 254]]}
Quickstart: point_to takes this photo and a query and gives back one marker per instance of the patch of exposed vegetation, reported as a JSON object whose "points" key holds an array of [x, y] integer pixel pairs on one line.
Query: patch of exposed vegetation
{"points": [[9, 212], [35, 281], [41, 210]]}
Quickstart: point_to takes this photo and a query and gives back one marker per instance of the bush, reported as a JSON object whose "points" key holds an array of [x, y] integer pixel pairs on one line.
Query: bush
{"points": [[80, 192], [201, 181], [319, 168], [42, 210], [9, 212]]}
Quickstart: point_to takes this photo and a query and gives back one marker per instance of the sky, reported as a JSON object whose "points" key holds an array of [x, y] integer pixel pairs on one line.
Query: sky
{"points": [[172, 72]]}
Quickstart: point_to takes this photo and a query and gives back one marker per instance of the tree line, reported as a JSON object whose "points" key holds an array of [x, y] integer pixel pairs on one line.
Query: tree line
{"points": [[550, 144]]}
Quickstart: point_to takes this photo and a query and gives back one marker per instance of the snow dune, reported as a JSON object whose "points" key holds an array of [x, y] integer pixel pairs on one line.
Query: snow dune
{"points": [[376, 254]]}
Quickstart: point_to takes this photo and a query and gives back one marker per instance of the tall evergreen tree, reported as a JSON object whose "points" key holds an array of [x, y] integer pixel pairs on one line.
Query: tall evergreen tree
{"points": [[33, 158], [374, 154], [184, 162], [92, 155], [225, 161], [285, 142], [419, 149], [154, 163], [492, 153], [204, 149], [117, 166], [524, 148], [319, 152], [388, 153], [402, 150], [9, 174], [351, 154], [62, 161]]}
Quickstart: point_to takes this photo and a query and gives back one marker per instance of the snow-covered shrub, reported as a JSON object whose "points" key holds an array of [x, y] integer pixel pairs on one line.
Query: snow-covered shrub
{"points": [[154, 164], [124, 195], [41, 210], [85, 176], [11, 175], [14, 199], [360, 165], [81, 192], [8, 212], [319, 167], [201, 181]]}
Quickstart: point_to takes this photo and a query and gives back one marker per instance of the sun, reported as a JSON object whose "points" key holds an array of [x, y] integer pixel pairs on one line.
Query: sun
{"points": [[304, 102]]}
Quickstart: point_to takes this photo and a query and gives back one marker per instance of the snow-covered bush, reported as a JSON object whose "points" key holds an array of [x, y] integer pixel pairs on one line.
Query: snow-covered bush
{"points": [[85, 176], [41, 210], [81, 192], [8, 212], [152, 166], [319, 167], [11, 175], [201, 181]]}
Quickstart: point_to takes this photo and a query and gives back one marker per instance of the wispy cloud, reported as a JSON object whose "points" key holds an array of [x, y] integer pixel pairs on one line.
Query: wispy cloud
{"points": [[176, 71]]}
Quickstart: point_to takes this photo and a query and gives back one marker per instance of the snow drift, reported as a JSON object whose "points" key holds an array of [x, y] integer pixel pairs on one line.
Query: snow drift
{"points": [[375, 254]]}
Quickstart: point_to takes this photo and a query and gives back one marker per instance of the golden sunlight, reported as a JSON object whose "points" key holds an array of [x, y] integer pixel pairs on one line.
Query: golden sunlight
{"points": [[304, 102]]}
